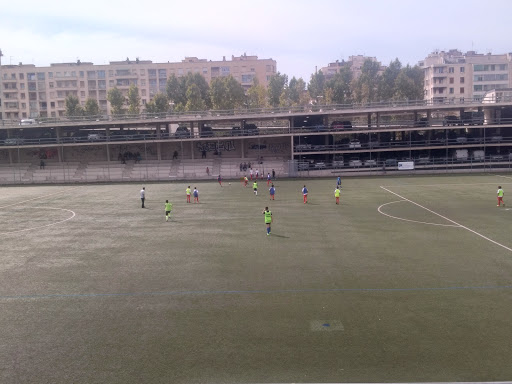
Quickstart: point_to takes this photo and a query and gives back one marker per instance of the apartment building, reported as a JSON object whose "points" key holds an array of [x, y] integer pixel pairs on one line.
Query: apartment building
{"points": [[355, 63], [455, 76], [27, 91]]}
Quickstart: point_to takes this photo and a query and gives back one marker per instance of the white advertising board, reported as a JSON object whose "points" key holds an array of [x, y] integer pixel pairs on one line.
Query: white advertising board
{"points": [[405, 165]]}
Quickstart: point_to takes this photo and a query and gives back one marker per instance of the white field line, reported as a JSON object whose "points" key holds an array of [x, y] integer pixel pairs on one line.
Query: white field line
{"points": [[450, 220], [73, 214], [412, 221], [441, 185], [506, 177], [36, 198]]}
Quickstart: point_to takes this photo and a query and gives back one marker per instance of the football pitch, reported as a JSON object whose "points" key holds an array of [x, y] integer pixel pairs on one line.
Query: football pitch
{"points": [[408, 279]]}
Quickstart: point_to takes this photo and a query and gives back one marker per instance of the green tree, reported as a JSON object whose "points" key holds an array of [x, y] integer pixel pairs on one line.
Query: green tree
{"points": [[365, 87], [176, 89], [409, 84], [73, 107], [276, 86], [316, 85], [133, 100], [226, 93], [158, 104], [256, 95], [116, 99], [91, 108], [387, 86], [194, 100], [338, 89]]}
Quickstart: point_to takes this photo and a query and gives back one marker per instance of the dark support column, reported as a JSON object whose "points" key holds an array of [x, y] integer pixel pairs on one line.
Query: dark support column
{"points": [[60, 150], [192, 149], [429, 118], [242, 142], [377, 119], [158, 145], [108, 146], [369, 120]]}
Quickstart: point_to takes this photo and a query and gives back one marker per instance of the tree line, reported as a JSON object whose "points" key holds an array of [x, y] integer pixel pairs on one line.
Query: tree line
{"points": [[193, 93]]}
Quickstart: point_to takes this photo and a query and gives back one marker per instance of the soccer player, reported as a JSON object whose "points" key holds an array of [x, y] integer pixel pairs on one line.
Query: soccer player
{"points": [[268, 219], [246, 180], [143, 195], [187, 191], [337, 194], [196, 195], [338, 182], [250, 173], [255, 187], [219, 179], [168, 209], [272, 191], [305, 194], [500, 196], [268, 179]]}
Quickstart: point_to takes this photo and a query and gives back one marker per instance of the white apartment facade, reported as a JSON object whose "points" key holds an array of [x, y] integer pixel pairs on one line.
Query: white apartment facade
{"points": [[355, 63], [27, 91], [454, 76]]}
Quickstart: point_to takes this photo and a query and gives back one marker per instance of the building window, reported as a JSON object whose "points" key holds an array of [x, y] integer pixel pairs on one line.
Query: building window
{"points": [[205, 71], [452, 90], [451, 80], [462, 80], [111, 73], [51, 84], [461, 90], [143, 83], [82, 74], [451, 70], [22, 76], [462, 69], [101, 74], [50, 75], [247, 78]]}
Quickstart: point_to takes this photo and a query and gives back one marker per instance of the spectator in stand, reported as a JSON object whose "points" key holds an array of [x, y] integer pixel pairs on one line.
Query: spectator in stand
{"points": [[273, 174], [250, 173], [241, 167], [249, 165], [41, 164], [208, 171], [203, 154]]}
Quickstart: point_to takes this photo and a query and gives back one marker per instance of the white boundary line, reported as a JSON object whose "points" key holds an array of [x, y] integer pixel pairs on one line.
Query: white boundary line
{"points": [[450, 220], [36, 198], [73, 214], [440, 185], [412, 221], [506, 177]]}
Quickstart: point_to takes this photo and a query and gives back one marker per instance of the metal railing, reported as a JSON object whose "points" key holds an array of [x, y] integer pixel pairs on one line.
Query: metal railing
{"points": [[255, 112]]}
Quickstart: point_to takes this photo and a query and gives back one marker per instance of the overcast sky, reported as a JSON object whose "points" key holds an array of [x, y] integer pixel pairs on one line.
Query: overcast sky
{"points": [[299, 34]]}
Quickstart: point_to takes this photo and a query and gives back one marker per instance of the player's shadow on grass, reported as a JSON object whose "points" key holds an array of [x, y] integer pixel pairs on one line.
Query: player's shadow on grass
{"points": [[281, 236]]}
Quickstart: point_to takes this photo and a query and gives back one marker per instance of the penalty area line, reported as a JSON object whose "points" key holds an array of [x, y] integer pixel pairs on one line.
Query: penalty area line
{"points": [[450, 220]]}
